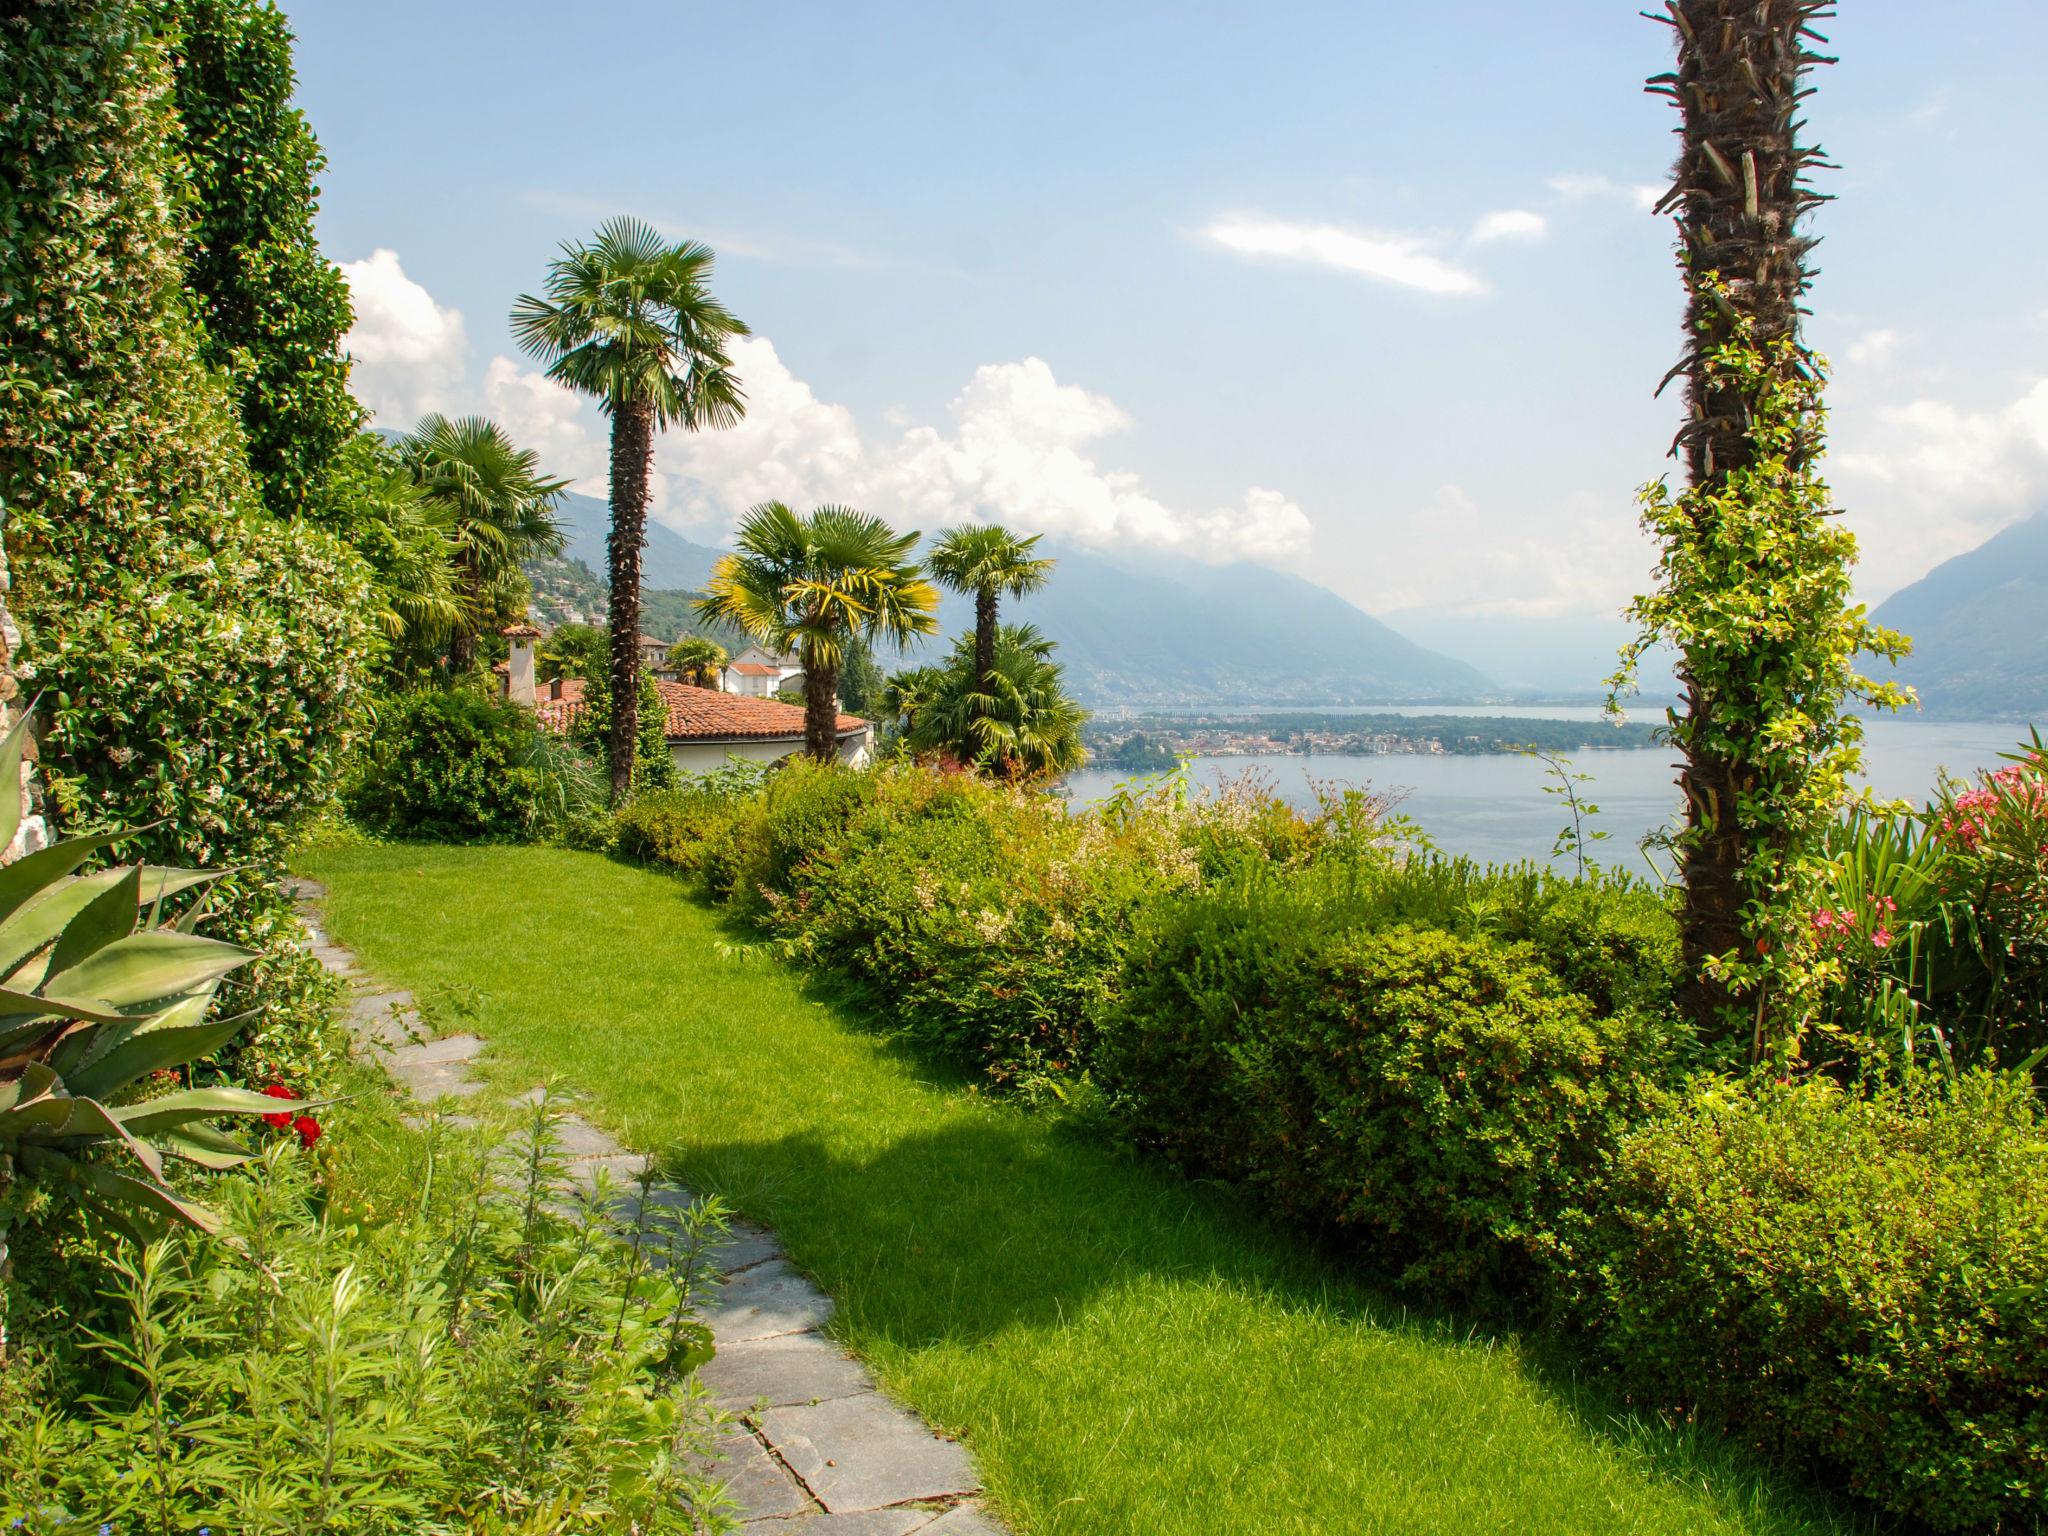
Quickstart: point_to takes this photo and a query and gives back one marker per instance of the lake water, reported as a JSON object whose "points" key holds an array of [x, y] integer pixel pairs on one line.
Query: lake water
{"points": [[1494, 808]]}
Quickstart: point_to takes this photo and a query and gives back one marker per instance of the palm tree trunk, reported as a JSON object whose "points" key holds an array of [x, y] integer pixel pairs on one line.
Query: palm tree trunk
{"points": [[984, 633], [632, 462], [821, 711], [1740, 197], [462, 643]]}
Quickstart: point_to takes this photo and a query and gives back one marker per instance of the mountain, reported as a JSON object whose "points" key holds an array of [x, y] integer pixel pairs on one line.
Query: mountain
{"points": [[1980, 640], [1160, 632], [1156, 631], [669, 560]]}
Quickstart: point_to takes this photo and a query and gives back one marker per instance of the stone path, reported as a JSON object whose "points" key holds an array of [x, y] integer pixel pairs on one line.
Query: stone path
{"points": [[815, 1449]]}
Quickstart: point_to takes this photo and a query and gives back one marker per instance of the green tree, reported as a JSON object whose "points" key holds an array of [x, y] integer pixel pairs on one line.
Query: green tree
{"points": [[1753, 586], [1016, 722], [630, 320], [499, 507], [989, 563], [653, 766], [698, 659], [860, 680], [575, 650], [273, 308], [407, 540], [813, 584]]}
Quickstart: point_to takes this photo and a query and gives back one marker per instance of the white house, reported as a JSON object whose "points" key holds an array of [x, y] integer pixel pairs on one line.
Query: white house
{"points": [[704, 726], [760, 673]]}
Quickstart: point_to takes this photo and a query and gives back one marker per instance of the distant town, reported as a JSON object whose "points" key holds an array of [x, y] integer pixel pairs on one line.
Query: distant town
{"points": [[1156, 742]]}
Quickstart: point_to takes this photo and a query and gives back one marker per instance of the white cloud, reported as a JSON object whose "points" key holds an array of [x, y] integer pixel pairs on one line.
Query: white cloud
{"points": [[410, 353], [1576, 188], [1388, 256], [554, 422], [1453, 556], [1929, 479], [1873, 347], [1509, 224]]}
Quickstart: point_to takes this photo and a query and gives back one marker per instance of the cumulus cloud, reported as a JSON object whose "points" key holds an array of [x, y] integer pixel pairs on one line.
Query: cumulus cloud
{"points": [[410, 353], [1451, 555], [1579, 188], [1930, 479], [1873, 348], [1509, 224], [1408, 260]]}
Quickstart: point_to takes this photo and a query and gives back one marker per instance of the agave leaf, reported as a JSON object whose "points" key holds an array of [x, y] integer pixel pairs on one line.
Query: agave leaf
{"points": [[145, 966], [124, 1197], [39, 1005], [10, 777], [162, 1042], [20, 1030], [25, 876], [35, 1081], [204, 1145], [44, 916], [62, 1118], [79, 1051], [189, 1104], [107, 917]]}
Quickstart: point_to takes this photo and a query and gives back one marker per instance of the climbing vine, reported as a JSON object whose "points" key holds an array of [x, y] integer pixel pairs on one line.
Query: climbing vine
{"points": [[1753, 593]]}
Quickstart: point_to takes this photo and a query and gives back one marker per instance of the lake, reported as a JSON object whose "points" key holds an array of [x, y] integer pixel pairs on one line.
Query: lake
{"points": [[1494, 808]]}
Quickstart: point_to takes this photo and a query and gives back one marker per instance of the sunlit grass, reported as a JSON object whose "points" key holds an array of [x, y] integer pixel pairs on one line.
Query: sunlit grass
{"points": [[1125, 1351]]}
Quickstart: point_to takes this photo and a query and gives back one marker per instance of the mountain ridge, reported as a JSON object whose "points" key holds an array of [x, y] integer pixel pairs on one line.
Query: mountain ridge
{"points": [[1980, 645]]}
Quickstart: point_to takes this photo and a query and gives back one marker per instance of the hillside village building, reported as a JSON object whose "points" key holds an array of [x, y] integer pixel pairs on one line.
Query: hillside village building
{"points": [[705, 727]]}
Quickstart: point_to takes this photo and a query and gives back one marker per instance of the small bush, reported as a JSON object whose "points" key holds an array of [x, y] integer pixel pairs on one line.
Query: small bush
{"points": [[1445, 1096], [451, 766], [1853, 1280]]}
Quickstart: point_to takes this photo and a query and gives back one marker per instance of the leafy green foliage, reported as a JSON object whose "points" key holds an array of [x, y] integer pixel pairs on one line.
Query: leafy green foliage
{"points": [[102, 993], [1851, 1279], [452, 765], [1012, 718], [437, 1334], [654, 768], [273, 309], [1753, 592]]}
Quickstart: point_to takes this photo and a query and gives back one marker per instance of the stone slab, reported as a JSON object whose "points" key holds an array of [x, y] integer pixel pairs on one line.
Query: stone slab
{"points": [[869, 1522], [866, 1453], [449, 1048], [759, 1484], [579, 1138], [782, 1372], [430, 1080], [764, 1301], [962, 1520], [745, 1249], [624, 1168]]}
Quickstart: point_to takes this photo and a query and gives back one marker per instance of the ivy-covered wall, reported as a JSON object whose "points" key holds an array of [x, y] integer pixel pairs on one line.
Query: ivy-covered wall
{"points": [[200, 662]]}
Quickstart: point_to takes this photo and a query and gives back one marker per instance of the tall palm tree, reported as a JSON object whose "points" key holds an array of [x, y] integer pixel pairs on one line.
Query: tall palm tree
{"points": [[989, 562], [499, 507], [629, 319], [1739, 193], [698, 658], [812, 583], [1016, 722]]}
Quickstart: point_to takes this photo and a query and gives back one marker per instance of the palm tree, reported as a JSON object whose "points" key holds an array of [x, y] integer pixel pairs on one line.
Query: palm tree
{"points": [[1016, 722], [699, 659], [989, 562], [499, 509], [630, 320], [813, 583]]}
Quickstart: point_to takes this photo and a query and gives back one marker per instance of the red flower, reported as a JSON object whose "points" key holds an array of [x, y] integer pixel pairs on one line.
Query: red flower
{"points": [[308, 1129], [278, 1091]]}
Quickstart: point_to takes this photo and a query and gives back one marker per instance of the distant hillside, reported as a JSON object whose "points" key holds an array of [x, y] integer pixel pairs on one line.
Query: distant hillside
{"points": [[1980, 639], [670, 560], [1163, 632], [1157, 631]]}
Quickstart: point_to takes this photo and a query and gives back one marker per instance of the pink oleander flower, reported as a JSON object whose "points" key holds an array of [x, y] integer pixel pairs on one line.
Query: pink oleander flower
{"points": [[1882, 939]]}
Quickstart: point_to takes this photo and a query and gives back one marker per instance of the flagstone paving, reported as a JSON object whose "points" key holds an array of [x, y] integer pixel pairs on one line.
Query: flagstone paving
{"points": [[814, 1449]]}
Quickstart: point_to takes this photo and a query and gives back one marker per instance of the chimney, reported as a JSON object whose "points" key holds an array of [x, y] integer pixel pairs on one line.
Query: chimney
{"points": [[519, 673], [554, 688]]}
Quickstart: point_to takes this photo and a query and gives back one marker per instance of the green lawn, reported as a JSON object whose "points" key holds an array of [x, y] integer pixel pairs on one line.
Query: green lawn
{"points": [[1126, 1352]]}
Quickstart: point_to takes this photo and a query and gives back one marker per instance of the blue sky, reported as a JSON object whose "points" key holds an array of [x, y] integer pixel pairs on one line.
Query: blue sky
{"points": [[1365, 290]]}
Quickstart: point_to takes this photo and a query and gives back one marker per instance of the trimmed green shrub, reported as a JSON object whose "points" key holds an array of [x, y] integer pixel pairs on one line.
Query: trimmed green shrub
{"points": [[1445, 1097], [1857, 1281], [450, 766]]}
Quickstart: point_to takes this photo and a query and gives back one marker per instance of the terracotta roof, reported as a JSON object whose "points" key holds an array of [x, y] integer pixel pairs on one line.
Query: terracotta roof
{"points": [[699, 714], [520, 632], [753, 669]]}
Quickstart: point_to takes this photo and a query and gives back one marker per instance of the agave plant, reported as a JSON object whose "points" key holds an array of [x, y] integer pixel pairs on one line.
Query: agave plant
{"points": [[98, 991]]}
